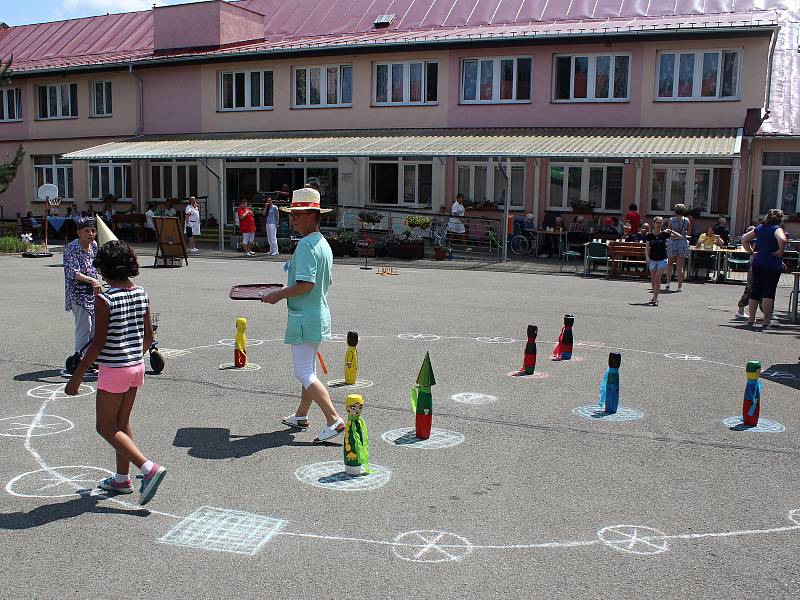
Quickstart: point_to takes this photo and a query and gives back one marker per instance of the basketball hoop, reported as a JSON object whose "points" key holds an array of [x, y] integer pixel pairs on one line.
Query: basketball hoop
{"points": [[53, 205], [49, 193]]}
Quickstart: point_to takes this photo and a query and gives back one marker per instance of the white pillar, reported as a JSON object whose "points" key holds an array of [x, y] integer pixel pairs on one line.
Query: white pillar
{"points": [[733, 204], [537, 168], [638, 192]]}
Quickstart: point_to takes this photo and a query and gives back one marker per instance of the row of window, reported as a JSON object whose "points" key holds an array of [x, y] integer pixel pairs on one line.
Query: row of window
{"points": [[105, 177], [59, 101]]}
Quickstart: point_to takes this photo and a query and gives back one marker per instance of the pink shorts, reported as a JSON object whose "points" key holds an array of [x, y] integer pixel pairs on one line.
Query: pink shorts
{"points": [[118, 380]]}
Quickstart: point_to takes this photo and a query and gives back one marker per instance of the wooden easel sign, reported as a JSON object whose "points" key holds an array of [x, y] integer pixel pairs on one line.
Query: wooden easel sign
{"points": [[170, 241]]}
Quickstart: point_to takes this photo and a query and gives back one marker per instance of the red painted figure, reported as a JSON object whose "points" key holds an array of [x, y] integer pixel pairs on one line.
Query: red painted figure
{"points": [[529, 360]]}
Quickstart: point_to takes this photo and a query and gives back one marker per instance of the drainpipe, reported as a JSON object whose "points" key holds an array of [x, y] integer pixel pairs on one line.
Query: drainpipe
{"points": [[770, 58], [748, 203], [219, 205], [504, 227]]}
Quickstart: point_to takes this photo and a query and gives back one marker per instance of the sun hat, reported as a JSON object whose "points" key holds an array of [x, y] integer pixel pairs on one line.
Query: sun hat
{"points": [[305, 199]]}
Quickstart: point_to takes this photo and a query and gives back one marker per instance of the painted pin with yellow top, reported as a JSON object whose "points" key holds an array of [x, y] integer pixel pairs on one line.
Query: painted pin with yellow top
{"points": [[351, 359], [356, 441]]}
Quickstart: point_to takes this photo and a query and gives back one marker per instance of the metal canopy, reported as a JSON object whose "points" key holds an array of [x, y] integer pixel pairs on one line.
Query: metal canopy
{"points": [[659, 143]]}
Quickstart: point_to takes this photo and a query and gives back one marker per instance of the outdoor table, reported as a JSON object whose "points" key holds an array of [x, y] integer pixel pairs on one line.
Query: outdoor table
{"points": [[721, 256], [57, 222], [558, 234]]}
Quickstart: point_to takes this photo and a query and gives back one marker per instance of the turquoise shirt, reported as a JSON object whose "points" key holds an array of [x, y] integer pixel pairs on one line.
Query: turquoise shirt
{"points": [[309, 319]]}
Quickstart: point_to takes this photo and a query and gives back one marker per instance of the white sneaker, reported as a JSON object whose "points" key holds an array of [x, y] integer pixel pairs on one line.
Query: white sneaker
{"points": [[330, 431], [295, 421], [193, 250]]}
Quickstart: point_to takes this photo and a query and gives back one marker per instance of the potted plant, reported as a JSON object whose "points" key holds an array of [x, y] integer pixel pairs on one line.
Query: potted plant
{"points": [[370, 217], [341, 242], [419, 221], [410, 246], [582, 207]]}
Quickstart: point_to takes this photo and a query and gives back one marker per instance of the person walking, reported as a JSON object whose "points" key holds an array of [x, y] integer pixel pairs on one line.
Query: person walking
{"points": [[191, 222], [247, 225], [273, 217], [456, 226], [678, 244], [766, 265], [309, 319], [655, 254], [123, 333]]}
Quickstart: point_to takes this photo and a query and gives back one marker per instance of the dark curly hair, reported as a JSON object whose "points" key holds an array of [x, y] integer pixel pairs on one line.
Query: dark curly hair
{"points": [[116, 261]]}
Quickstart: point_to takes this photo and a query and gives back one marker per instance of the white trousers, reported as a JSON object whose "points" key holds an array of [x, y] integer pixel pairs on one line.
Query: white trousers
{"points": [[84, 326], [272, 238], [304, 358]]}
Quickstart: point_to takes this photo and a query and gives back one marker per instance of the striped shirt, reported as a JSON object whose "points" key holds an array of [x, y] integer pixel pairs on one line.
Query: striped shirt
{"points": [[125, 337]]}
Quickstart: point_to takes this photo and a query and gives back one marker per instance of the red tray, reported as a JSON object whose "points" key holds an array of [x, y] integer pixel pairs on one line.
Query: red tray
{"points": [[253, 291]]}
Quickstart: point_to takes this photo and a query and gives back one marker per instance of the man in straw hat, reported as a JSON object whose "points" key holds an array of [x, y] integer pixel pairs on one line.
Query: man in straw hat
{"points": [[309, 321]]}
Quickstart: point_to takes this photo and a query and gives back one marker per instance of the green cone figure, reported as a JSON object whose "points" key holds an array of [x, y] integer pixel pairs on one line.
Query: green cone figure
{"points": [[356, 441], [422, 400]]}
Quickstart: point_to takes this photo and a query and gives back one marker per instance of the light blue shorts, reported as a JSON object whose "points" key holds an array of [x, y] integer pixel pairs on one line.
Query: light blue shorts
{"points": [[655, 265]]}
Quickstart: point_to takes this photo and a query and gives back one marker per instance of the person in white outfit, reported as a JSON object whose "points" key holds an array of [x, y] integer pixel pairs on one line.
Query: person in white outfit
{"points": [[192, 222], [272, 215]]}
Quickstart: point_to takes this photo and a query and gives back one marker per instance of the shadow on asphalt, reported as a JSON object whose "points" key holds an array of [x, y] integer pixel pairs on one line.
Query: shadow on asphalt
{"points": [[785, 374], [42, 375], [217, 442], [49, 513]]}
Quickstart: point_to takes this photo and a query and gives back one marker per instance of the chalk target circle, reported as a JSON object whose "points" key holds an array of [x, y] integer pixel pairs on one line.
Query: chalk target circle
{"points": [[431, 546], [495, 340], [764, 425], [330, 475], [58, 482], [419, 337], [634, 539], [173, 352], [337, 338], [358, 385], [681, 356], [474, 398], [593, 412], [794, 516], [22, 425], [55, 391], [86, 376], [232, 343], [231, 367], [439, 439], [537, 375]]}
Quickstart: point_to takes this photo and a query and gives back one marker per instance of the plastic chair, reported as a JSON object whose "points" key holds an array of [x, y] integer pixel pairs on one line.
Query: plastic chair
{"points": [[596, 252], [566, 254], [741, 259]]}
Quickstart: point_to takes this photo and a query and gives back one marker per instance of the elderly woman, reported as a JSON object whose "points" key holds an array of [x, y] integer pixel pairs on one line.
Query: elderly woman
{"points": [[766, 265], [678, 244], [191, 222]]}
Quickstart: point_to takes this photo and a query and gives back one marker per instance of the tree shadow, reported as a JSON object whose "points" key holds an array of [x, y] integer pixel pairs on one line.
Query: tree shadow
{"points": [[49, 513], [785, 374], [217, 442]]}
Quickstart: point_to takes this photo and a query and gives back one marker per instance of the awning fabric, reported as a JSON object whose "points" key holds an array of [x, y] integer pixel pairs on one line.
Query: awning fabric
{"points": [[659, 143]]}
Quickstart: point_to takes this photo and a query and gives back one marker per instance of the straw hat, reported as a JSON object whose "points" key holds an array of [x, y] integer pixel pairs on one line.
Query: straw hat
{"points": [[305, 199]]}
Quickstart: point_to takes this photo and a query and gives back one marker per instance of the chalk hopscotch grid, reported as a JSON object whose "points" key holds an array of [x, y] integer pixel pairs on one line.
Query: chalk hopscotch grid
{"points": [[223, 530]]}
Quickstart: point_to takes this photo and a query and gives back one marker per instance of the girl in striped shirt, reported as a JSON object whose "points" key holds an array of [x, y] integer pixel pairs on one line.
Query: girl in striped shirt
{"points": [[123, 333]]}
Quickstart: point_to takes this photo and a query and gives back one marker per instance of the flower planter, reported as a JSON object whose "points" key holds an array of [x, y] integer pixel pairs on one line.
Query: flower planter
{"points": [[582, 211], [340, 248], [408, 250]]}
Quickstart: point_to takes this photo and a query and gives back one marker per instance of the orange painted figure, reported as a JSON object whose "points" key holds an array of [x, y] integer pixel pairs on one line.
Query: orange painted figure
{"points": [[240, 344]]}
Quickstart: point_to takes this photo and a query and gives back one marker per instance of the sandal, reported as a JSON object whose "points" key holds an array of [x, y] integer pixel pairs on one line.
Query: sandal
{"points": [[296, 422], [653, 303], [330, 431]]}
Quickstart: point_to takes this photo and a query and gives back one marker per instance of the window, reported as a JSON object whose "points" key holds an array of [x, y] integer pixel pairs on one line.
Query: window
{"points": [[406, 182], [176, 179], [585, 182], [101, 98], [110, 178], [11, 104], [246, 90], [483, 183], [51, 169], [591, 78], [405, 83], [780, 182], [701, 186], [494, 80], [702, 75], [323, 86], [57, 101]]}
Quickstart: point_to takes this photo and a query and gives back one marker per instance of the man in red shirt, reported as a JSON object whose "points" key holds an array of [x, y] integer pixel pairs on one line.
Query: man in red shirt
{"points": [[247, 225], [634, 218]]}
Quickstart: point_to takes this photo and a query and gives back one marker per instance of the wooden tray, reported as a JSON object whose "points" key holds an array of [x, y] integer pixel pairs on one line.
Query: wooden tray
{"points": [[253, 291]]}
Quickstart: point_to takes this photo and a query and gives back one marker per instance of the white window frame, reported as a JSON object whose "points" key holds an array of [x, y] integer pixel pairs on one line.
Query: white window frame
{"points": [[191, 186], [688, 192], [59, 102], [585, 166], [591, 78], [110, 166], [697, 76], [107, 99], [401, 163], [782, 170], [406, 83], [492, 171], [11, 97], [248, 97], [496, 80], [323, 86], [52, 168]]}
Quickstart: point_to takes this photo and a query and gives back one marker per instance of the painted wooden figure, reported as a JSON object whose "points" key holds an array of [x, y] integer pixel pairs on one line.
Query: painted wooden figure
{"points": [[240, 344], [609, 389], [529, 360], [422, 399], [563, 349], [356, 441], [752, 394], [351, 358]]}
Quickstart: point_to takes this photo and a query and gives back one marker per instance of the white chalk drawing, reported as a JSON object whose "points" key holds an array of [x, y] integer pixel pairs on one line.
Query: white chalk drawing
{"points": [[337, 338], [764, 425], [680, 356], [794, 516], [359, 384], [440, 438], [55, 391], [331, 476], [57, 482], [34, 425], [86, 376], [778, 375], [424, 545], [173, 352], [623, 413], [634, 539], [475, 398], [232, 343], [419, 337], [231, 367], [495, 340], [590, 345], [537, 376], [223, 530]]}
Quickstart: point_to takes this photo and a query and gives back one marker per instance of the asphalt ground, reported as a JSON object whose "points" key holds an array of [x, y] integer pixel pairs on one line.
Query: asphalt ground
{"points": [[536, 502]]}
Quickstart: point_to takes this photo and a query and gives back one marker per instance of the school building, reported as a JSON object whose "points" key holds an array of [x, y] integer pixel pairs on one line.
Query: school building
{"points": [[405, 103]]}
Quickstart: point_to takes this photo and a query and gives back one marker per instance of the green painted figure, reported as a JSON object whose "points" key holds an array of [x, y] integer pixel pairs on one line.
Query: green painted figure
{"points": [[356, 441], [422, 399]]}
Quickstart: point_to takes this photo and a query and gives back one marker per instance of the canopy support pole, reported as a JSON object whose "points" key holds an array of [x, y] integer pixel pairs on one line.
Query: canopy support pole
{"points": [[220, 206]]}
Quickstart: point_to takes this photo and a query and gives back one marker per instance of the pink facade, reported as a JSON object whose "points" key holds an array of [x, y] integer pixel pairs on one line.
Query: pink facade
{"points": [[172, 100]]}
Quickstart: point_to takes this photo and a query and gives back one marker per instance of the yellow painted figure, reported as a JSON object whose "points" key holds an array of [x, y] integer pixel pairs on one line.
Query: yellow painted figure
{"points": [[356, 441], [240, 348], [351, 358]]}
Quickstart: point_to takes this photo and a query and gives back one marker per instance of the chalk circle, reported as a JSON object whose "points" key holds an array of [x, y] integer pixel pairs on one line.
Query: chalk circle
{"points": [[431, 546], [495, 340], [359, 384], [337, 337], [22, 425], [55, 391], [406, 437], [680, 356], [593, 412], [419, 337], [232, 343], [537, 375], [86, 377], [794, 516], [330, 475], [574, 359], [634, 539], [58, 482], [473, 398], [764, 425], [173, 352], [231, 367], [588, 344]]}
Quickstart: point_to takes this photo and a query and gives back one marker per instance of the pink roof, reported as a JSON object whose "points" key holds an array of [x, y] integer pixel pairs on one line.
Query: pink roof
{"points": [[303, 24]]}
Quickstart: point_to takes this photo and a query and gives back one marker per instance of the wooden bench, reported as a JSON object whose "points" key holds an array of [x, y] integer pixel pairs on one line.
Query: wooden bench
{"points": [[625, 253]]}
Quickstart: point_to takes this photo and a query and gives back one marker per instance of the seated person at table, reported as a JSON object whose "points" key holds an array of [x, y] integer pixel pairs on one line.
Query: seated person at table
{"points": [[170, 209], [149, 226], [709, 239], [108, 214], [721, 229], [577, 224], [34, 225], [628, 235], [592, 225]]}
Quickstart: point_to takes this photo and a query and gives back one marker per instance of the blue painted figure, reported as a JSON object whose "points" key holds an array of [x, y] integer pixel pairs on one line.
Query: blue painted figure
{"points": [[609, 389]]}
